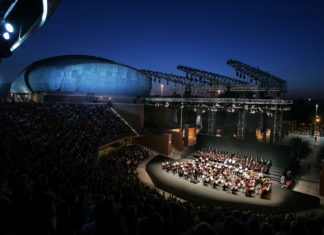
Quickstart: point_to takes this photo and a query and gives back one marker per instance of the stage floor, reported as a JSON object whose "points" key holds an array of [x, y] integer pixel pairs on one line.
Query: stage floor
{"points": [[281, 199]]}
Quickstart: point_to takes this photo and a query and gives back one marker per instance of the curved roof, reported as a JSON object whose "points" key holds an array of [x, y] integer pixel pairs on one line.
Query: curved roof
{"points": [[69, 59], [81, 73]]}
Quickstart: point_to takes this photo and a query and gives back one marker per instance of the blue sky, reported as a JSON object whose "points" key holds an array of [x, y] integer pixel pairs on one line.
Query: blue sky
{"points": [[285, 38]]}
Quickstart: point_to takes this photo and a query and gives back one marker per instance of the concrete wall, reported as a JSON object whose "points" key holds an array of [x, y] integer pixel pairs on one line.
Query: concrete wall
{"points": [[321, 191], [159, 143], [132, 113], [177, 140]]}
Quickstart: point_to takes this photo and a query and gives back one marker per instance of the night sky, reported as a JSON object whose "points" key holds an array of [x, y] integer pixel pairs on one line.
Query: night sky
{"points": [[285, 38]]}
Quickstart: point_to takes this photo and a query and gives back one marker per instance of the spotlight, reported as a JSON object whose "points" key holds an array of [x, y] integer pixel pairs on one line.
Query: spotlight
{"points": [[9, 27], [6, 35]]}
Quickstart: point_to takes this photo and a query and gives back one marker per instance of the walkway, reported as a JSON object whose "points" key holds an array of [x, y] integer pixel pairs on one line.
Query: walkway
{"points": [[308, 177]]}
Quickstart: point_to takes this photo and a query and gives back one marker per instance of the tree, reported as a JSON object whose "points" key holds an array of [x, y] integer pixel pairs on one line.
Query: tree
{"points": [[299, 150], [320, 155]]}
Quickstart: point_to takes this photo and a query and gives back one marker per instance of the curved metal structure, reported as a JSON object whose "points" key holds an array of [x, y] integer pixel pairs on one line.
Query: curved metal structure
{"points": [[81, 74]]}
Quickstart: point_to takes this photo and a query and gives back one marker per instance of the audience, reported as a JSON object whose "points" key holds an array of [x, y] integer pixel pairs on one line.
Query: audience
{"points": [[52, 182]]}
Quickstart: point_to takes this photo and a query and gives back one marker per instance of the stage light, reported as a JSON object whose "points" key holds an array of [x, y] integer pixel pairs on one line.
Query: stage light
{"points": [[6, 35], [9, 27]]}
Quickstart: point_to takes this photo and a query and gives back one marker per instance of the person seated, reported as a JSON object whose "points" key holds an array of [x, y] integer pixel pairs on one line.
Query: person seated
{"points": [[234, 188], [185, 173]]}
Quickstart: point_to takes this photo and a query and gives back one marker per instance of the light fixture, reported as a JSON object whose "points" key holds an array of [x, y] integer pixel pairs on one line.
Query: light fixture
{"points": [[6, 35], [9, 27]]}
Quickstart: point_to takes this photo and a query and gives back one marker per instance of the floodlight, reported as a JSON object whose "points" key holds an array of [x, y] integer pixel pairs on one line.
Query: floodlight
{"points": [[6, 35], [9, 27]]}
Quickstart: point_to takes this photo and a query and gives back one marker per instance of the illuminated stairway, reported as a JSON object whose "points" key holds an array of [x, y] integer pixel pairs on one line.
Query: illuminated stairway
{"points": [[114, 111]]}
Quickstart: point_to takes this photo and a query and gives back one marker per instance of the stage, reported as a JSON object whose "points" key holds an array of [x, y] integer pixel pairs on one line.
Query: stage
{"points": [[282, 200]]}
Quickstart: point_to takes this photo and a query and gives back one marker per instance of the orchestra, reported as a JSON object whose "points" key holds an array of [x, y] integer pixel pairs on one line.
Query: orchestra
{"points": [[232, 172]]}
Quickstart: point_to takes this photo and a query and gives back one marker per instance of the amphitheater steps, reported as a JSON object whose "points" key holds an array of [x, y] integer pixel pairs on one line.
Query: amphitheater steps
{"points": [[117, 114], [275, 173], [175, 154]]}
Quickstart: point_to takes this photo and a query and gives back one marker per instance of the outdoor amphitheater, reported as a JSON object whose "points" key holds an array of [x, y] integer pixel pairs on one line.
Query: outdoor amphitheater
{"points": [[86, 149]]}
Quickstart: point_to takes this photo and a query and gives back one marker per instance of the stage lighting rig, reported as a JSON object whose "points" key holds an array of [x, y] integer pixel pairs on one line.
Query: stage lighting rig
{"points": [[211, 78], [263, 79]]}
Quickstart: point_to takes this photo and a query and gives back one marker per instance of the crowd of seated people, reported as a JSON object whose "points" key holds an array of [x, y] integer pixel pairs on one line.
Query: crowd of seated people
{"points": [[50, 183], [229, 171]]}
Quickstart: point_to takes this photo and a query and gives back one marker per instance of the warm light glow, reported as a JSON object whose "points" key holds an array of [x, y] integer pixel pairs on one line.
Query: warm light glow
{"points": [[258, 134]]}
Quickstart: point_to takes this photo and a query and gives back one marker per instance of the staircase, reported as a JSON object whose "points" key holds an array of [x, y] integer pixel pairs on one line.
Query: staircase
{"points": [[275, 173], [115, 112], [175, 154]]}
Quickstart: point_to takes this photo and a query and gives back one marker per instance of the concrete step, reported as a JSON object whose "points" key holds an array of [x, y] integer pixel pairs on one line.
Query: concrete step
{"points": [[275, 178]]}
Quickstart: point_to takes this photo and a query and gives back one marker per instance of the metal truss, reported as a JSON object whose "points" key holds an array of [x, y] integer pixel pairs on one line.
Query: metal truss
{"points": [[241, 124], [210, 78], [167, 77], [205, 87], [277, 125], [264, 79], [271, 104], [211, 122], [269, 107]]}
